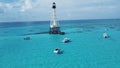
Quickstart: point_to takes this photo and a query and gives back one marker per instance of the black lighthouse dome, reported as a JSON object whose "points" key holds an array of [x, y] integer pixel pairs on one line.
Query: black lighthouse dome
{"points": [[54, 5]]}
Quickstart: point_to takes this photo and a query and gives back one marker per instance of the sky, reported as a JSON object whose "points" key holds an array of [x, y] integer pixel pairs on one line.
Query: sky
{"points": [[41, 10]]}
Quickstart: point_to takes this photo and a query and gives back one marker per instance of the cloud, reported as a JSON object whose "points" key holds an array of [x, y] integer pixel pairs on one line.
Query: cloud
{"points": [[5, 7], [97, 8], [1, 8], [21, 5], [0, 4], [26, 6], [9, 6]]}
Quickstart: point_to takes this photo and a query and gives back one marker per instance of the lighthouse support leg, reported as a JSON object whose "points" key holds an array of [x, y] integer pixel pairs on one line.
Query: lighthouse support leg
{"points": [[55, 30]]}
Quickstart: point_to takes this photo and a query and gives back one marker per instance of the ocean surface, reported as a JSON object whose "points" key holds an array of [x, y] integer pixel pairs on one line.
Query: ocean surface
{"points": [[87, 49]]}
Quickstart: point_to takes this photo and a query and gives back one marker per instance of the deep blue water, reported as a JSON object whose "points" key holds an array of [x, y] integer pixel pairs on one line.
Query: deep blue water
{"points": [[87, 49]]}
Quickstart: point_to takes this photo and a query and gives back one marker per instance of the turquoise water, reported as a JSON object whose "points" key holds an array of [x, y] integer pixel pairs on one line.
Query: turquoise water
{"points": [[87, 49]]}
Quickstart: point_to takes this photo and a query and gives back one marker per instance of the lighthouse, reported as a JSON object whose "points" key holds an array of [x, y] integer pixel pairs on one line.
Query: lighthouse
{"points": [[54, 25]]}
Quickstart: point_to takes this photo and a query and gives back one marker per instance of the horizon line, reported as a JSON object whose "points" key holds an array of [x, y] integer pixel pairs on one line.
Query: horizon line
{"points": [[61, 20]]}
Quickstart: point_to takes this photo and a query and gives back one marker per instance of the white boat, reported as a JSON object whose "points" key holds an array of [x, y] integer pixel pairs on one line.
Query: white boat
{"points": [[65, 40], [57, 51], [105, 35]]}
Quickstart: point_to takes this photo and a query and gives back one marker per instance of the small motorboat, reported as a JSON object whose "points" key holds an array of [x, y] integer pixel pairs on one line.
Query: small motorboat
{"points": [[57, 51], [105, 35], [65, 40], [27, 38]]}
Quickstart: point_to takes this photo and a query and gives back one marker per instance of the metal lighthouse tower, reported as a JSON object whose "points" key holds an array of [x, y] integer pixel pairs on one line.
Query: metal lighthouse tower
{"points": [[54, 25]]}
